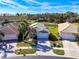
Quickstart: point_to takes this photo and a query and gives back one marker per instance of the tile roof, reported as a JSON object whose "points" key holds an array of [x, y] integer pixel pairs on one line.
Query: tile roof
{"points": [[68, 28], [10, 28], [39, 27]]}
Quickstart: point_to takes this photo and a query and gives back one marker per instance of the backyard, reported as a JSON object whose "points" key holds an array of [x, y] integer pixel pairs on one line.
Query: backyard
{"points": [[54, 31]]}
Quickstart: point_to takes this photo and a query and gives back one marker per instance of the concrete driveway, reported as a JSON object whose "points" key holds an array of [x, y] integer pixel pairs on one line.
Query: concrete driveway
{"points": [[43, 47], [71, 48]]}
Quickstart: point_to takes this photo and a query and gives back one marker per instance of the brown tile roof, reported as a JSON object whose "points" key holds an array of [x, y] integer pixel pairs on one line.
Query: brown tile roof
{"points": [[10, 28]]}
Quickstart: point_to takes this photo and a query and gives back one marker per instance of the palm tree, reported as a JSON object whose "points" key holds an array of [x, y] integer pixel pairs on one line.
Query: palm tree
{"points": [[23, 26]]}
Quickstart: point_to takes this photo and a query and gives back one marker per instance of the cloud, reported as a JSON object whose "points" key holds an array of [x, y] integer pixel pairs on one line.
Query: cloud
{"points": [[43, 5], [7, 4], [32, 1], [12, 4]]}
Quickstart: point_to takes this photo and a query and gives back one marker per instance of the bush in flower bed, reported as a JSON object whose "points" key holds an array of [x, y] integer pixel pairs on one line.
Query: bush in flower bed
{"points": [[25, 51], [58, 51]]}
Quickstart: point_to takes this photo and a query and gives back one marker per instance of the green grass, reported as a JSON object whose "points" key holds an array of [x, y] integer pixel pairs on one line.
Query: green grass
{"points": [[54, 30], [76, 24], [21, 44], [57, 43], [25, 51], [58, 51]]}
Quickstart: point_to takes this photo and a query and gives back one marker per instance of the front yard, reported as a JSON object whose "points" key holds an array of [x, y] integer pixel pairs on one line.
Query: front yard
{"points": [[54, 37], [25, 51], [58, 51], [23, 44], [55, 41]]}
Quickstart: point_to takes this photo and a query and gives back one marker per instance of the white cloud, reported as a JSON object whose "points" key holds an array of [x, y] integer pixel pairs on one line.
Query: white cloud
{"points": [[12, 4], [32, 1], [43, 5]]}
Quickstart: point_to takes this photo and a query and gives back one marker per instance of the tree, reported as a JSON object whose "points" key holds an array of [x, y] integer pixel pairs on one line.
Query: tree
{"points": [[5, 22], [23, 26], [17, 14], [1, 36]]}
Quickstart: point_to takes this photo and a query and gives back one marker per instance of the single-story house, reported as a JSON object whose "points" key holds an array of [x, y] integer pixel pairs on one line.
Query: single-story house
{"points": [[68, 31], [41, 19], [10, 31], [41, 31]]}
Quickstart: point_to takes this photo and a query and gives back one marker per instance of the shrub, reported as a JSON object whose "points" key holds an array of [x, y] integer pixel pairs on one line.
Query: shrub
{"points": [[25, 51], [58, 51]]}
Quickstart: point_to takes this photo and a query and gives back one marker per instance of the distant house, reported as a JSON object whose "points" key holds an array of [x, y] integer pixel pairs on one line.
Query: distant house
{"points": [[10, 31], [68, 31], [72, 20], [42, 20], [41, 31]]}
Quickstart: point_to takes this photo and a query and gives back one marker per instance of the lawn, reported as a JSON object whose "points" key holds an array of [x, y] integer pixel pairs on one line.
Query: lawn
{"points": [[58, 51], [25, 51], [22, 44], [76, 24], [54, 30], [55, 38]]}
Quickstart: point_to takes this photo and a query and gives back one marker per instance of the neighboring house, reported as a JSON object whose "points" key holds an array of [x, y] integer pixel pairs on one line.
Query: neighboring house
{"points": [[68, 31], [10, 31], [42, 20], [41, 31], [72, 20]]}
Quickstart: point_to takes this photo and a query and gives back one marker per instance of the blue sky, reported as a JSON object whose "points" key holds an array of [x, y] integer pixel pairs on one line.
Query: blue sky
{"points": [[38, 6]]}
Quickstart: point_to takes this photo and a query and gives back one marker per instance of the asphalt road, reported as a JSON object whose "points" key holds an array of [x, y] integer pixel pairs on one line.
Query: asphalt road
{"points": [[39, 57]]}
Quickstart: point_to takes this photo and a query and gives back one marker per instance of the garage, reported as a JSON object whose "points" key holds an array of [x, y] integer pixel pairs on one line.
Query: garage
{"points": [[43, 35], [68, 36], [10, 37], [68, 31]]}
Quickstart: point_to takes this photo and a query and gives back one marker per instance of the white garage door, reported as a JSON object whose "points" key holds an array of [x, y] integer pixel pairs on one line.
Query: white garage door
{"points": [[68, 36], [43, 35], [10, 37]]}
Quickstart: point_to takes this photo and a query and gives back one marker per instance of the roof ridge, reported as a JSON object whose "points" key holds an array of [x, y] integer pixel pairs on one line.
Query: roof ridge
{"points": [[66, 27]]}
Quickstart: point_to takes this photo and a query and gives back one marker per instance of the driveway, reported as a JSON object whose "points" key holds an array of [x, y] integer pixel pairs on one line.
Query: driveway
{"points": [[71, 48], [43, 47]]}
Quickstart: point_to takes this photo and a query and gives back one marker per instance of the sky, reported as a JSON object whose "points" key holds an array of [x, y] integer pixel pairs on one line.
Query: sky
{"points": [[38, 6]]}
